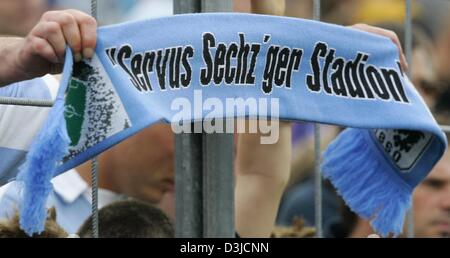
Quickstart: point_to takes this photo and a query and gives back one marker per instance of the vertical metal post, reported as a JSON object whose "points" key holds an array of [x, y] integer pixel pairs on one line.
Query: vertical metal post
{"points": [[186, 6], [408, 35], [317, 151], [408, 53], [217, 6], [218, 178], [188, 165], [188, 185], [218, 185], [94, 165], [204, 185], [94, 197]]}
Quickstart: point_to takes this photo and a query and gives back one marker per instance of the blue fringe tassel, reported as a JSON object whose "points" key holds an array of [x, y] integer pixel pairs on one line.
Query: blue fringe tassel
{"points": [[35, 174], [369, 186]]}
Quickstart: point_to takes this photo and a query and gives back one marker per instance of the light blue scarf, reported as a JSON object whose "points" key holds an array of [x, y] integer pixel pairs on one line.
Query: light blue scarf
{"points": [[319, 72]]}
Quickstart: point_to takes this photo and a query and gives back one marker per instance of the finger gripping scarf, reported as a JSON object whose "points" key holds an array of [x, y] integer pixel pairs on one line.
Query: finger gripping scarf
{"points": [[318, 72]]}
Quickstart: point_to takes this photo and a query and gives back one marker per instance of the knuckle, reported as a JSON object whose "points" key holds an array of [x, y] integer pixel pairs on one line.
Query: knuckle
{"points": [[88, 20], [52, 27], [48, 15], [74, 11], [66, 19], [82, 18], [37, 45]]}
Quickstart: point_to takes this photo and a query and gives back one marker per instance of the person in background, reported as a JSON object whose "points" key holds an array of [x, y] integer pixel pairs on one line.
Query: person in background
{"points": [[338, 220], [129, 219], [11, 229], [431, 208]]}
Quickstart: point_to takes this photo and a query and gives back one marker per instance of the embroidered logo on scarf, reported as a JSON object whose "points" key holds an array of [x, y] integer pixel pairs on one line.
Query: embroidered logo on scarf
{"points": [[403, 146], [93, 110]]}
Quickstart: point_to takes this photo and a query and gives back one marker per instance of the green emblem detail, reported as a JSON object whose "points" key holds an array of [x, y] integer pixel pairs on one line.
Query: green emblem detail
{"points": [[74, 110], [75, 104]]}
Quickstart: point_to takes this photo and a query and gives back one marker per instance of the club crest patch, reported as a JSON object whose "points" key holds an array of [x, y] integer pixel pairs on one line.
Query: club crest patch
{"points": [[93, 110], [404, 147]]}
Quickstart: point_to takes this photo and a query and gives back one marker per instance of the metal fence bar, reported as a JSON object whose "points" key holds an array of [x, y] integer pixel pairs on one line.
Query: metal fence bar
{"points": [[408, 53], [186, 6], [94, 197], [218, 177], [188, 165], [217, 6], [317, 151], [445, 128], [188, 184], [408, 36], [94, 5], [218, 186], [94, 165], [204, 192], [25, 102]]}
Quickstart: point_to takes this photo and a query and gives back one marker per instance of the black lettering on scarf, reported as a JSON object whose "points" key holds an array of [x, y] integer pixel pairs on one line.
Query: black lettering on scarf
{"points": [[206, 73], [218, 59], [280, 64], [352, 78], [313, 81], [166, 63], [186, 77]]}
